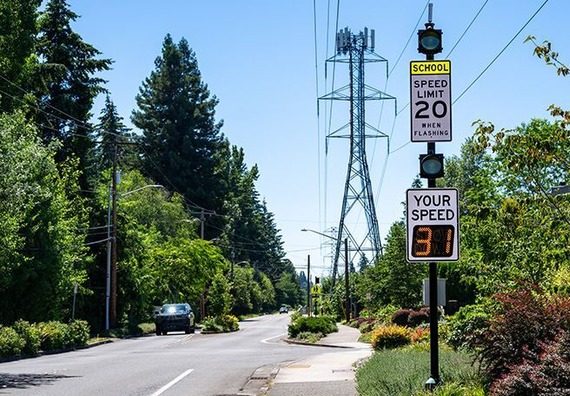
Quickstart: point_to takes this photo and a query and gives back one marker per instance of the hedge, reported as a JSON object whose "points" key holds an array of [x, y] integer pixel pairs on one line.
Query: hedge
{"points": [[23, 338]]}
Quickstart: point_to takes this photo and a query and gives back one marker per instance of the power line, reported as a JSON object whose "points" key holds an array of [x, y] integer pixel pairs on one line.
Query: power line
{"points": [[467, 28], [410, 38], [501, 52]]}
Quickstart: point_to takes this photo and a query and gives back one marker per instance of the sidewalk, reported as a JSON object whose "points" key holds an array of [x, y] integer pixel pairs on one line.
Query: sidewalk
{"points": [[328, 374]]}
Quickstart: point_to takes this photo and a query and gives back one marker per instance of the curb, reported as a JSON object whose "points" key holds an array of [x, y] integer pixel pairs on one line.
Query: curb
{"points": [[259, 382], [297, 342]]}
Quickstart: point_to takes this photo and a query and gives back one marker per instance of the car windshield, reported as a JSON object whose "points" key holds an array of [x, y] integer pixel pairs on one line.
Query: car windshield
{"points": [[173, 308]]}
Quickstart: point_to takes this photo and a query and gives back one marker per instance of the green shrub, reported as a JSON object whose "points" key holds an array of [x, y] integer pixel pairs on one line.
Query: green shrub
{"points": [[10, 342], [31, 336], [53, 335], [295, 316], [146, 328], [228, 322], [210, 324], [314, 324], [466, 325], [391, 336], [78, 333], [384, 315], [222, 323]]}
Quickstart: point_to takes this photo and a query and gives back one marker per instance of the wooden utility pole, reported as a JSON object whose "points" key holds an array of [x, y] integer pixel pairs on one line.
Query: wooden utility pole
{"points": [[113, 309]]}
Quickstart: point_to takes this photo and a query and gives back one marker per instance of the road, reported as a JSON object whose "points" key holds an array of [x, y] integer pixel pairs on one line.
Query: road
{"points": [[172, 365]]}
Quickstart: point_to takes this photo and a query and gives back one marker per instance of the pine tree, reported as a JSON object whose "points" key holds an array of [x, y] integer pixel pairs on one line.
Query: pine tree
{"points": [[112, 132], [68, 87], [181, 140]]}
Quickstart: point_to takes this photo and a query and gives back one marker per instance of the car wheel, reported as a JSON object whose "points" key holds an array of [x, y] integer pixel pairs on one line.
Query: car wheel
{"points": [[157, 331], [164, 332], [188, 330]]}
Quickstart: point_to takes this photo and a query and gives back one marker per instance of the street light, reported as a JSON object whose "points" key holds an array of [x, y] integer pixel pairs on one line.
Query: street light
{"points": [[111, 304], [346, 272]]}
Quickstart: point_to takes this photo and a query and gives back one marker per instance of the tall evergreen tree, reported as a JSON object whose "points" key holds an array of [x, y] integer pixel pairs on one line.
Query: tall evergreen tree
{"points": [[17, 44], [180, 138], [113, 135], [68, 87]]}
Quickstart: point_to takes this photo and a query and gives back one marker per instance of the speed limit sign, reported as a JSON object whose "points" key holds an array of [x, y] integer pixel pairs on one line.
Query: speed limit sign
{"points": [[430, 101]]}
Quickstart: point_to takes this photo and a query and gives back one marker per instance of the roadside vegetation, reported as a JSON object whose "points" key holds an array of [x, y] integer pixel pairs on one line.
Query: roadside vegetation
{"points": [[311, 329], [200, 234], [25, 339]]}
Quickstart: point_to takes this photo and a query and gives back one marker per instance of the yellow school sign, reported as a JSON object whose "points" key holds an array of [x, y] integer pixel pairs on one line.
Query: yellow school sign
{"points": [[430, 101]]}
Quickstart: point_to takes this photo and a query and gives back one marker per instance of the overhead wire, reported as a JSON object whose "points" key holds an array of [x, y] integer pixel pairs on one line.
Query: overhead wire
{"points": [[501, 52], [328, 114], [488, 66], [466, 29]]}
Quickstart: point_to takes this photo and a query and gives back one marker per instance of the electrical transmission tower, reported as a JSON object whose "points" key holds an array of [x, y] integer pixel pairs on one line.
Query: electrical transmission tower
{"points": [[356, 50]]}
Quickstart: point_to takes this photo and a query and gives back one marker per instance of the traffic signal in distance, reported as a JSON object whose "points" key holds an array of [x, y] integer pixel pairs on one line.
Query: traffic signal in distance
{"points": [[429, 40], [431, 166], [317, 280]]}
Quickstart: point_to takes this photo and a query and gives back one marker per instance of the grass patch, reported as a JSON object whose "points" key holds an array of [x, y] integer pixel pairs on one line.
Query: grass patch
{"points": [[404, 371]]}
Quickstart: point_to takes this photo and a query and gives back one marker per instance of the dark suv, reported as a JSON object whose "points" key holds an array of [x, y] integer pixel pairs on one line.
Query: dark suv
{"points": [[174, 317]]}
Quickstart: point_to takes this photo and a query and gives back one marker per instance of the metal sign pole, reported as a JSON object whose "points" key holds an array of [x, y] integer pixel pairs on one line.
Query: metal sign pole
{"points": [[434, 379]]}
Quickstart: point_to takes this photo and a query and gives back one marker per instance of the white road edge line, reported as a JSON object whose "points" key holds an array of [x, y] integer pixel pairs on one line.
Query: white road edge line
{"points": [[172, 383], [266, 341]]}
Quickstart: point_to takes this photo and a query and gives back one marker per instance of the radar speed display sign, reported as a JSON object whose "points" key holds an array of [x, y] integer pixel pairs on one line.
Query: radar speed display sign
{"points": [[433, 225]]}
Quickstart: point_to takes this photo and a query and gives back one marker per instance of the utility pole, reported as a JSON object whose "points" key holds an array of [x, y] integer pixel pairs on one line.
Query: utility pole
{"points": [[356, 50], [309, 286], [108, 269], [113, 309]]}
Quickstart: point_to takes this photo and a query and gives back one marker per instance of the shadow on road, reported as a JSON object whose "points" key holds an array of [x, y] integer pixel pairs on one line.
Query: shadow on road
{"points": [[23, 381]]}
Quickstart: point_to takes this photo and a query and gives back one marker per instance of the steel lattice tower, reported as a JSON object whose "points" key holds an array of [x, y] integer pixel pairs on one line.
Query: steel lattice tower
{"points": [[356, 50]]}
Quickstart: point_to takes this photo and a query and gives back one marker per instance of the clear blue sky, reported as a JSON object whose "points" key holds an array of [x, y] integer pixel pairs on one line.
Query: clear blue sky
{"points": [[264, 60]]}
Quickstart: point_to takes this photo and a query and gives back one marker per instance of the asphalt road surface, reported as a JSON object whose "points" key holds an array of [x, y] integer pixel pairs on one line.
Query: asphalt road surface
{"points": [[171, 365]]}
